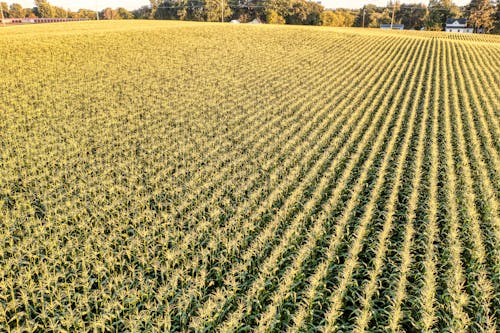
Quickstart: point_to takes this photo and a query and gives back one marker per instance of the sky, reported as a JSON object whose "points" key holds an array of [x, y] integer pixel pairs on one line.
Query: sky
{"points": [[133, 4]]}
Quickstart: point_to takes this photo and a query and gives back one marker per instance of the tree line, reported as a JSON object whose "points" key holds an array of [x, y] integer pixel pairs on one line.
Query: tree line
{"points": [[483, 15], [43, 9]]}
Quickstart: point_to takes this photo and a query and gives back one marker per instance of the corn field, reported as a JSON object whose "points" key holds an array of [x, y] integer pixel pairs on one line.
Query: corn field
{"points": [[197, 177]]}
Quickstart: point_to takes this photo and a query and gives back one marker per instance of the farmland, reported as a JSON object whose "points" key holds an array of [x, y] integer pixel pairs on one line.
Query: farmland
{"points": [[176, 176]]}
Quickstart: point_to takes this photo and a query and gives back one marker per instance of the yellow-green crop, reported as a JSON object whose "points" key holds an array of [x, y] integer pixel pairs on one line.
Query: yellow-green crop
{"points": [[175, 176]]}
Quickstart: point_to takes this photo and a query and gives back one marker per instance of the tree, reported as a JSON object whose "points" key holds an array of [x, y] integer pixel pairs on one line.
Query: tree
{"points": [[28, 12], [5, 10], [366, 11], [85, 13], [44, 9], [110, 14], [154, 8], [373, 16], [412, 16], [182, 14], [272, 17], [281, 7], [177, 10], [16, 10], [497, 18], [217, 10], [143, 12], [438, 13], [337, 18], [482, 15], [247, 10], [314, 11], [378, 18], [60, 12], [328, 18], [304, 12], [393, 7], [124, 14]]}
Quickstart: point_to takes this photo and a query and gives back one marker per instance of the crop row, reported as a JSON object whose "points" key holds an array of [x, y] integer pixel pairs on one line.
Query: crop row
{"points": [[208, 177]]}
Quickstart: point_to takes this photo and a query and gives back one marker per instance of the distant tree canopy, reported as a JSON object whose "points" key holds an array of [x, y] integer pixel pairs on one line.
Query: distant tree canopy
{"points": [[142, 13], [5, 9], [124, 13], [412, 16], [338, 18], [439, 12], [272, 17], [217, 10], [497, 18], [16, 10], [116, 14], [44, 9], [272, 11], [85, 13], [373, 16], [109, 14], [482, 15]]}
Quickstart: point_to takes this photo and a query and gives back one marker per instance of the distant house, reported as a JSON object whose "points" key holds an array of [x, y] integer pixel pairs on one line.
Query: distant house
{"points": [[392, 26], [458, 25]]}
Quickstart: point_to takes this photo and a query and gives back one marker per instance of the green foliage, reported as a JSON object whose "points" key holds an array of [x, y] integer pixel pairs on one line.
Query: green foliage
{"points": [[378, 18], [281, 7], [272, 17], [337, 18], [5, 10], [124, 13], [292, 11], [116, 14], [304, 12], [16, 10], [44, 9], [217, 10], [497, 18], [85, 13], [142, 13], [438, 12], [154, 12], [374, 16], [60, 12], [413, 16], [110, 14], [482, 15]]}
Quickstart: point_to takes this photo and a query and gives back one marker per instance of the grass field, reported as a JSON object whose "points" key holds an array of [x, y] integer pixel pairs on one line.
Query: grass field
{"points": [[199, 177]]}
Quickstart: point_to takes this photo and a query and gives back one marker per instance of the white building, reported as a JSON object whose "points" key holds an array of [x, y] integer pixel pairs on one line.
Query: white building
{"points": [[458, 25]]}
